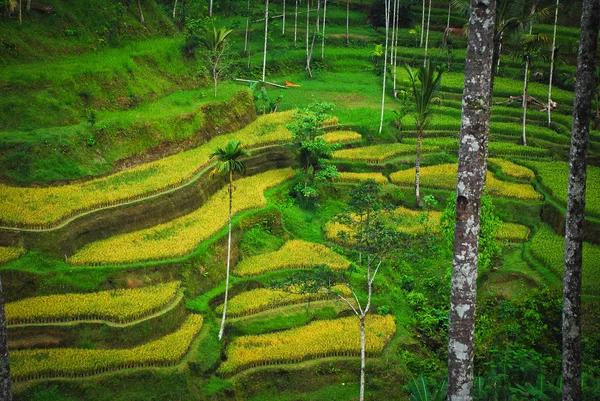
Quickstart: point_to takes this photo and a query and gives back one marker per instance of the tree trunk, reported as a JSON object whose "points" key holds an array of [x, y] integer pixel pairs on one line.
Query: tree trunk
{"points": [[392, 54], [296, 25], [264, 70], [472, 163], [524, 103], [387, 28], [5, 380], [396, 45], [141, 12], [418, 167], [571, 325], [283, 22], [222, 330], [174, 9], [427, 35], [307, 28], [362, 357], [422, 24], [347, 22], [324, 23], [210, 8], [20, 12], [448, 22], [552, 64], [247, 28], [312, 46], [28, 5]]}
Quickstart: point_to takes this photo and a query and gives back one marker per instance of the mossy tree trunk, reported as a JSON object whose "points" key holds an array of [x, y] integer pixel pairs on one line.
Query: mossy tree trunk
{"points": [[571, 325], [472, 161]]}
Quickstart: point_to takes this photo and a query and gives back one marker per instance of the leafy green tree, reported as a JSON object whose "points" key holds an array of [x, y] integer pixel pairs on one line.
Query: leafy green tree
{"points": [[489, 247], [215, 44], [312, 152], [228, 162], [424, 84]]}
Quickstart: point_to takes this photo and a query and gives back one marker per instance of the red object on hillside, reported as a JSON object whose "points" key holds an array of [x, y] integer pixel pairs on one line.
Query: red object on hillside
{"points": [[288, 84]]}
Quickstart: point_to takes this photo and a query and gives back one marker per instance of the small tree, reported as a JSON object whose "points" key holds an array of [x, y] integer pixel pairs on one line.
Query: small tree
{"points": [[216, 44], [371, 241], [312, 152], [425, 82], [228, 163]]}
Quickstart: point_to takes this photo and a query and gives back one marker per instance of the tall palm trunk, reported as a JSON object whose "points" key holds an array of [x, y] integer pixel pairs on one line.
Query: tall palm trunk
{"points": [[395, 44], [418, 167], [347, 22], [296, 25], [312, 46], [552, 64], [247, 28], [228, 256], [422, 24], [283, 22], [524, 103], [427, 35], [392, 54], [324, 23], [5, 380], [174, 9], [362, 357], [307, 27], [448, 21], [142, 20], [387, 29], [571, 324], [210, 8], [472, 161], [264, 70]]}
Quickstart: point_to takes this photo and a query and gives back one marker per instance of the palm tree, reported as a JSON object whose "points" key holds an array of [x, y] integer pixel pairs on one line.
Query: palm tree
{"points": [[216, 43], [5, 380], [264, 70], [228, 162], [424, 85], [427, 35], [472, 162], [387, 5], [571, 322], [552, 64]]}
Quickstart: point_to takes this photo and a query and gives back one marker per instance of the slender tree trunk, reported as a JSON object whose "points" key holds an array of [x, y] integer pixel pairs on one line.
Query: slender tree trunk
{"points": [[392, 54], [552, 64], [422, 24], [347, 22], [324, 23], [387, 28], [448, 22], [524, 103], [418, 167], [5, 380], [174, 9], [296, 25], [228, 256], [283, 22], [427, 35], [362, 357], [307, 28], [264, 70], [396, 45], [141, 12], [210, 8], [247, 28], [28, 5], [312, 46], [472, 163], [20, 12], [571, 325]]}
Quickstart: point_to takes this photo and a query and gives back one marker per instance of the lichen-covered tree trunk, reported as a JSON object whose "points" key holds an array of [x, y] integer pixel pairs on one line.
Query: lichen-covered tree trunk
{"points": [[472, 161], [5, 381], [571, 325]]}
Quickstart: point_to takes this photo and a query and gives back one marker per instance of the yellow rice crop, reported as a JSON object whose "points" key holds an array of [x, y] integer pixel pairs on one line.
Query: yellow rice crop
{"points": [[341, 137], [360, 177], [117, 305], [339, 337], [513, 232], [261, 299], [76, 362], [379, 153], [293, 254], [512, 169], [181, 236], [9, 253], [46, 207], [443, 176]]}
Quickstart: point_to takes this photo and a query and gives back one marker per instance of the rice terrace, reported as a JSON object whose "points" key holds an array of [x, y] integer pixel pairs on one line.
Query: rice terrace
{"points": [[299, 200]]}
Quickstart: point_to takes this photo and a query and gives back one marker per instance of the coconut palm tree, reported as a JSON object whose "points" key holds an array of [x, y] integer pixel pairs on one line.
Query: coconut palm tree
{"points": [[228, 162], [424, 84]]}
